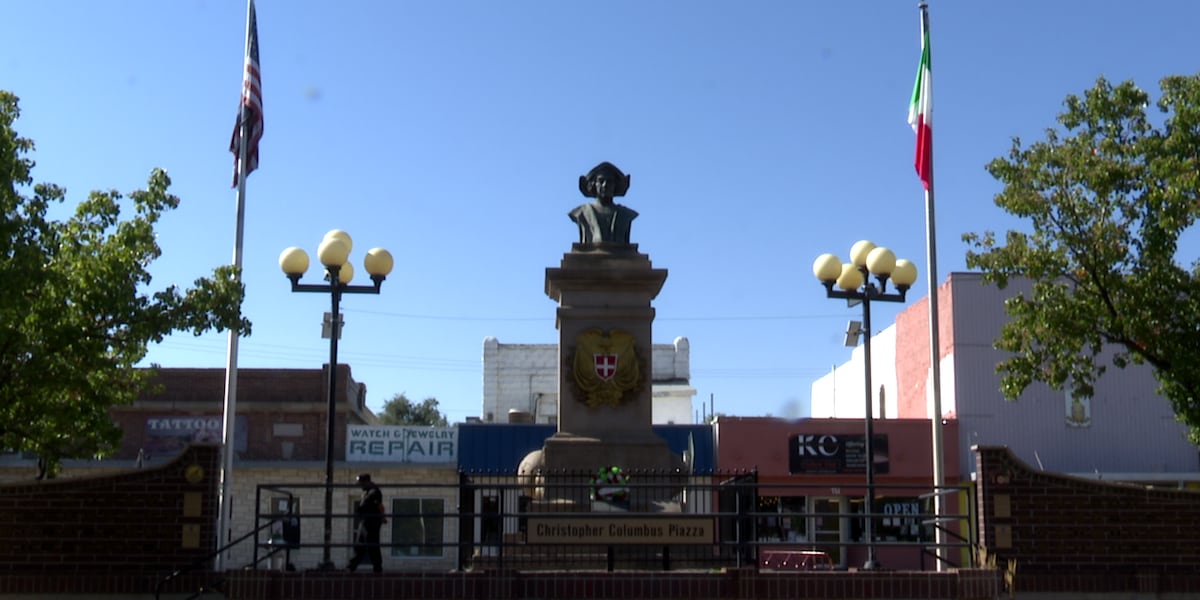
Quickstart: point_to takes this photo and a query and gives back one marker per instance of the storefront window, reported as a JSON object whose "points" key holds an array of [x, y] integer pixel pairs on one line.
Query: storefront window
{"points": [[782, 519], [285, 525], [900, 520], [417, 521]]}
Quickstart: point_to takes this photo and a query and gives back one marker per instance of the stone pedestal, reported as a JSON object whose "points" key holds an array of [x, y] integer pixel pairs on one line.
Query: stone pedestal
{"points": [[604, 320], [606, 287]]}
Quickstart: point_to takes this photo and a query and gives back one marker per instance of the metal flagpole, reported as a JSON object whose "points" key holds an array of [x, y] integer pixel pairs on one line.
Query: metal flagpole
{"points": [[225, 512], [935, 369], [939, 467]]}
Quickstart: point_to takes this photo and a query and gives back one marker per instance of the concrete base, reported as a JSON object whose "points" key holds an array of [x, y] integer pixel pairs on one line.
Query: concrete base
{"points": [[564, 452], [563, 469]]}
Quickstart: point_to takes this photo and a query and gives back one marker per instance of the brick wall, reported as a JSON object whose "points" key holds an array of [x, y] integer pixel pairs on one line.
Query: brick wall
{"points": [[1062, 533], [137, 523], [911, 365], [282, 411], [567, 585]]}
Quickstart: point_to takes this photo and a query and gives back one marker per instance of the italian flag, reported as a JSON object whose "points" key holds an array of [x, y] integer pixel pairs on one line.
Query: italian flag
{"points": [[920, 111]]}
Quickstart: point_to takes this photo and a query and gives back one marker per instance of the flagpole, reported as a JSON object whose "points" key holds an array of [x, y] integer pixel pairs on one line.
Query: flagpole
{"points": [[935, 367], [225, 512]]}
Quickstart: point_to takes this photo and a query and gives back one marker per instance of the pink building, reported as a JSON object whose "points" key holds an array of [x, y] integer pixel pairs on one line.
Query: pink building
{"points": [[1125, 432], [812, 477]]}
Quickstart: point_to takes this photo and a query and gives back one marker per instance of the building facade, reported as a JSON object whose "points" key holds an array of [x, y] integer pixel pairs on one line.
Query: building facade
{"points": [[281, 413], [523, 379], [811, 480], [1125, 432], [279, 444], [279, 463]]}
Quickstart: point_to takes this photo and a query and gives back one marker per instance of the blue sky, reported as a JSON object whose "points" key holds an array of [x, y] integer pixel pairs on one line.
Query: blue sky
{"points": [[758, 135]]}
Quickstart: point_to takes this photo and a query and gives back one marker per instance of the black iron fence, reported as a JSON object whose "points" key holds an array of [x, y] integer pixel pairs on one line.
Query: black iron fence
{"points": [[613, 520]]}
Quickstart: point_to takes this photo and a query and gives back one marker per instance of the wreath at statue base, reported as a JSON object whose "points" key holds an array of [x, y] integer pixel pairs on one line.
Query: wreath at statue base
{"points": [[611, 485]]}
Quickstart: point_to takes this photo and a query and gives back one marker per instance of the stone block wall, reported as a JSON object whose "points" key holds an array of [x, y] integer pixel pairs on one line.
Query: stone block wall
{"points": [[395, 482], [521, 377]]}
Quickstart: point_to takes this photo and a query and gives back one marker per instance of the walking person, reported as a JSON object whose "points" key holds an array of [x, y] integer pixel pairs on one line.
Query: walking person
{"points": [[369, 515]]}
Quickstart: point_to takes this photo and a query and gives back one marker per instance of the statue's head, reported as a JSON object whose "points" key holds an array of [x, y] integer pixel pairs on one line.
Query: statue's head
{"points": [[604, 175]]}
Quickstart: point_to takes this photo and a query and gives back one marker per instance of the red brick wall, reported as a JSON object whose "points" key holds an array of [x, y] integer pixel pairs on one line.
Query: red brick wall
{"points": [[912, 350], [266, 397], [279, 386], [1066, 533], [129, 523], [567, 585]]}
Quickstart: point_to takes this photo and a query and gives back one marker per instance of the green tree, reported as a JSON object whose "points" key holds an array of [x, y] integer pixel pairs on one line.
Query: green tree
{"points": [[76, 308], [402, 411], [1107, 196]]}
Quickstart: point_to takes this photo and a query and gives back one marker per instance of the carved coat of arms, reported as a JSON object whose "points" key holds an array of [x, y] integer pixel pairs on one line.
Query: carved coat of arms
{"points": [[605, 367]]}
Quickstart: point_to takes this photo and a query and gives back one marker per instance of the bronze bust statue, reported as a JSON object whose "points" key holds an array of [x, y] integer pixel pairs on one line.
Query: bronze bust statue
{"points": [[602, 220]]}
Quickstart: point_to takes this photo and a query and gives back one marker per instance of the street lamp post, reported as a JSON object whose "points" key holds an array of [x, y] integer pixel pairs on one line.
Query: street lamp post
{"points": [[853, 283], [334, 253]]}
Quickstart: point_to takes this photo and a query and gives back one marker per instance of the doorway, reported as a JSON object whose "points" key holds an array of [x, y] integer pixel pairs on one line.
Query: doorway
{"points": [[828, 518]]}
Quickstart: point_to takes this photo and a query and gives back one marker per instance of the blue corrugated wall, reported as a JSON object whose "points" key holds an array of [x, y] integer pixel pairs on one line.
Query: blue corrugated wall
{"points": [[499, 447]]}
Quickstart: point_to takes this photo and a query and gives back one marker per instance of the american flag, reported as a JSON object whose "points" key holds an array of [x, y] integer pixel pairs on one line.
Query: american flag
{"points": [[250, 109]]}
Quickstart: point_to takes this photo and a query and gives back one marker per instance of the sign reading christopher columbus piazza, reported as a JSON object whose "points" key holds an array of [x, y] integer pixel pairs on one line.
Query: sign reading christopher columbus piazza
{"points": [[643, 529], [402, 444]]}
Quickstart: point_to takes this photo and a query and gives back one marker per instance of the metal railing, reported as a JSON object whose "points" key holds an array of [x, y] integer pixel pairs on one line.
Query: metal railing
{"points": [[253, 534], [200, 563], [643, 521], [940, 525]]}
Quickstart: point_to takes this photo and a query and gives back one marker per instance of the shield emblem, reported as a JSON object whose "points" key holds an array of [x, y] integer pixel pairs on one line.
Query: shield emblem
{"points": [[606, 365]]}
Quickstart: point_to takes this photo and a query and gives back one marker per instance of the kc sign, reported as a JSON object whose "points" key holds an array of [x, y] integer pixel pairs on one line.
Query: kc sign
{"points": [[835, 453], [400, 444]]}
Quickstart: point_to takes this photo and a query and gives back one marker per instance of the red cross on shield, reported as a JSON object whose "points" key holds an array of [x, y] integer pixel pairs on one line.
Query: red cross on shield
{"points": [[606, 365]]}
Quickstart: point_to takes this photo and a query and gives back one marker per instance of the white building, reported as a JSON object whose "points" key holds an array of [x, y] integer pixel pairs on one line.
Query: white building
{"points": [[840, 394], [523, 378], [1126, 431]]}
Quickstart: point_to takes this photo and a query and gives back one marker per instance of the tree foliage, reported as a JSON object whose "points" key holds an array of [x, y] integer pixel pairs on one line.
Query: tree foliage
{"points": [[1107, 197], [402, 411], [76, 308]]}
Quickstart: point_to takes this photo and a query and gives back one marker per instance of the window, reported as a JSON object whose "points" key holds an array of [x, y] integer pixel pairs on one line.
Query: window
{"points": [[787, 524], [279, 505], [285, 524], [490, 528], [417, 526], [900, 521]]}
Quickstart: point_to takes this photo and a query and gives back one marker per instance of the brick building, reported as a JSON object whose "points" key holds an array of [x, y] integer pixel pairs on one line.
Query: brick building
{"points": [[281, 413], [810, 474]]}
